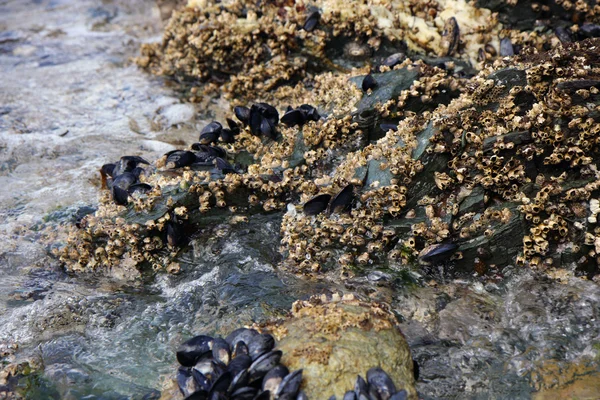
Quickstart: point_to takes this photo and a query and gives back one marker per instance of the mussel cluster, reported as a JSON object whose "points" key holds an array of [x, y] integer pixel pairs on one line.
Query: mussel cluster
{"points": [[342, 202], [241, 366], [262, 118], [245, 366], [123, 178], [378, 386]]}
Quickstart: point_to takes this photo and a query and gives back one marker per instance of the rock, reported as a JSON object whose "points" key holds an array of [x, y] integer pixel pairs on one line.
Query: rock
{"points": [[334, 340]]}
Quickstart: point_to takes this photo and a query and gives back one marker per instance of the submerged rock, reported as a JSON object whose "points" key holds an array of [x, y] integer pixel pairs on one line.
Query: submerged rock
{"points": [[335, 339]]}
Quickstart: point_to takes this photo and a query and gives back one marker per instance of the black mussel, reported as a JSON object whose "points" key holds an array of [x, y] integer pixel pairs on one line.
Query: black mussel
{"points": [[268, 129], [312, 20], [239, 349], [120, 196], [317, 204], [437, 252], [199, 395], [233, 126], [209, 367], [293, 118], [120, 187], [180, 159], [239, 380], [174, 232], [360, 386], [380, 382], [128, 164], [310, 112], [191, 350], [264, 364], [200, 147], [108, 170], [241, 335], [267, 111], [506, 48], [255, 122], [332, 397], [239, 363], [400, 395], [210, 133], [563, 35], [363, 396], [201, 380], [588, 30], [221, 384], [242, 114], [244, 393], [349, 395], [260, 344], [343, 201], [394, 59], [274, 377], [368, 83], [224, 166], [450, 36], [139, 188], [186, 382], [264, 395], [290, 385], [302, 396], [216, 151], [227, 136], [221, 351]]}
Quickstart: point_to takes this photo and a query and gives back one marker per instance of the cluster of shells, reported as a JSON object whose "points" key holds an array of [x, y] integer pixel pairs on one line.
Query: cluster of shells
{"points": [[464, 162]]}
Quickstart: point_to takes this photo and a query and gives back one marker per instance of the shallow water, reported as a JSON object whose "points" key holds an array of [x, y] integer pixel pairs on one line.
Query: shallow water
{"points": [[71, 100]]}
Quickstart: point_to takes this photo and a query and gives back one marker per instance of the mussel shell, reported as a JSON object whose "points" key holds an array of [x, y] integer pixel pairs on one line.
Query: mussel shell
{"points": [[255, 121], [343, 201], [506, 48], [224, 166], [349, 395], [241, 379], [588, 30], [209, 137], [437, 252], [310, 112], [199, 395], [451, 36], [563, 35], [264, 364], [227, 136], [233, 126], [381, 383], [268, 129], [174, 233], [311, 21], [293, 117], [213, 127], [360, 385], [244, 393], [128, 164], [186, 382], [191, 350], [201, 380], [290, 385], [264, 395], [221, 384], [180, 158], [221, 350], [108, 169], [400, 395], [269, 112], [124, 181], [241, 335], [260, 344], [242, 114], [387, 126], [120, 196], [239, 349], [239, 363], [317, 204], [302, 396], [368, 82], [217, 151], [273, 378]]}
